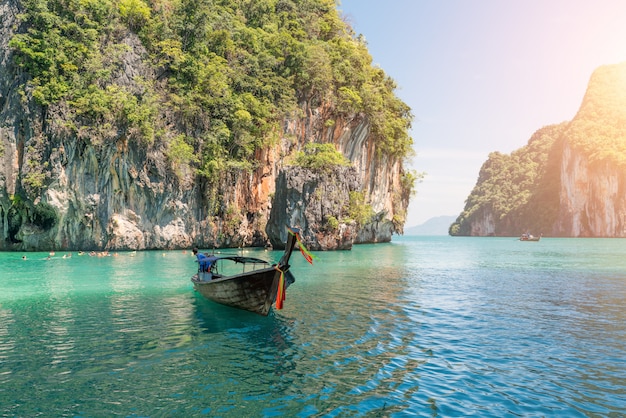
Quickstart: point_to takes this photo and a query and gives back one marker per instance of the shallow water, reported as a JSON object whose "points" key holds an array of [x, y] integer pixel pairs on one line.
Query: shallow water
{"points": [[423, 326]]}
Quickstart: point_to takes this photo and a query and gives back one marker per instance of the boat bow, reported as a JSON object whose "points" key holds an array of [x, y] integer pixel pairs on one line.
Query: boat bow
{"points": [[254, 290]]}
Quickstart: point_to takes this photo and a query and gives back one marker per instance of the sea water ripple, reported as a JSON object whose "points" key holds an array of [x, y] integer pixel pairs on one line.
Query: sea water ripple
{"points": [[428, 326]]}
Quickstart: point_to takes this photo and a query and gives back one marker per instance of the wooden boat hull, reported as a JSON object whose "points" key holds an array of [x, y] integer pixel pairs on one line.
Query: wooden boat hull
{"points": [[251, 292]]}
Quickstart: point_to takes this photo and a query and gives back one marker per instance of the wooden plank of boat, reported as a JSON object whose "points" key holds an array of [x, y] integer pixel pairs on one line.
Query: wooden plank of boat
{"points": [[254, 292]]}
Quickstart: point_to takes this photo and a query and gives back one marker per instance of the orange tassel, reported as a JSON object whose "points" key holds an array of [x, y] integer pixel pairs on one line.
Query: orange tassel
{"points": [[280, 292], [307, 256]]}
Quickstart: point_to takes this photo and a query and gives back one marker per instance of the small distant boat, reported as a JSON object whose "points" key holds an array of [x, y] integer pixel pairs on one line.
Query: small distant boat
{"points": [[246, 283], [529, 237]]}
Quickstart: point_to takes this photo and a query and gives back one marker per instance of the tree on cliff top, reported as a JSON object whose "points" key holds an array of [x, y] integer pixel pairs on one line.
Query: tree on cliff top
{"points": [[599, 128], [226, 73]]}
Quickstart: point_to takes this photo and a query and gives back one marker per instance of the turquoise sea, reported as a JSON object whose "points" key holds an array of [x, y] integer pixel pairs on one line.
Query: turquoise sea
{"points": [[422, 326]]}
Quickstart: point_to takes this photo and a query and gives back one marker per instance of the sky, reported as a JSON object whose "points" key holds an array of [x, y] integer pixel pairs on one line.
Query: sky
{"points": [[482, 76]]}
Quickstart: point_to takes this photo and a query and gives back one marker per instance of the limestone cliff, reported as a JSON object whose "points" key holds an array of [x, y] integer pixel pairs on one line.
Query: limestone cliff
{"points": [[592, 198], [99, 187], [569, 181], [593, 168]]}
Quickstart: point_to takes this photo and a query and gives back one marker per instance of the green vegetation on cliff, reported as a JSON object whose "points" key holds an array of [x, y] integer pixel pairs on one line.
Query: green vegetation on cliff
{"points": [[218, 75], [599, 128], [319, 157]]}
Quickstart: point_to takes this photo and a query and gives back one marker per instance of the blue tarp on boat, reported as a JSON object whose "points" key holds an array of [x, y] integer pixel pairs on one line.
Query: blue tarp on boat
{"points": [[205, 262]]}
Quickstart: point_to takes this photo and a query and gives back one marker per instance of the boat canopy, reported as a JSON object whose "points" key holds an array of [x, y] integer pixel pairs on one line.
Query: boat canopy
{"points": [[208, 261], [239, 259]]}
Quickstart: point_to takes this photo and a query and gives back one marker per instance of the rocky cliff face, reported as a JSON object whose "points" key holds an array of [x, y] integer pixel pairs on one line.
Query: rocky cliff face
{"points": [[592, 198], [593, 173], [578, 191], [310, 200], [59, 190]]}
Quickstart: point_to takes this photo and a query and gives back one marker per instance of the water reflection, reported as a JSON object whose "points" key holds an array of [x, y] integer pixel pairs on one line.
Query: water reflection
{"points": [[352, 345], [7, 344], [215, 318], [412, 329], [56, 337]]}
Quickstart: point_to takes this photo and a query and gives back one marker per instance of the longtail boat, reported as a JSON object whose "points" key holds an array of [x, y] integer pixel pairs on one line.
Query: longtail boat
{"points": [[529, 237], [247, 283]]}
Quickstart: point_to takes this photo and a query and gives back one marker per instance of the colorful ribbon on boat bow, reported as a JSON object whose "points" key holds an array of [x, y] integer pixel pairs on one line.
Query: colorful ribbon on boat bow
{"points": [[280, 292], [305, 253]]}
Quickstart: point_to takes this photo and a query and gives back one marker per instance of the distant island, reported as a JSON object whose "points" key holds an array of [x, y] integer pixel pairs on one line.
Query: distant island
{"points": [[438, 225], [568, 181]]}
